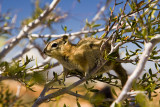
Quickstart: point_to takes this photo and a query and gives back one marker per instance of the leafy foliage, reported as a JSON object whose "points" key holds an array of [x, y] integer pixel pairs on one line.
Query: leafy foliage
{"points": [[53, 17], [8, 99], [135, 27], [18, 71]]}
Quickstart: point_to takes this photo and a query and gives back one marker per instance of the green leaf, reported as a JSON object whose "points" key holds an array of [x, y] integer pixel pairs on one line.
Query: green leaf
{"points": [[94, 90], [87, 21], [153, 12], [64, 28], [127, 52], [127, 30], [27, 59], [141, 99], [7, 18], [153, 87], [88, 24], [78, 104], [103, 35], [137, 44], [64, 105], [116, 82], [139, 33], [96, 25], [114, 92], [118, 105], [150, 71], [134, 23], [30, 89], [128, 22], [144, 31], [46, 66], [36, 62], [110, 9], [144, 76], [38, 77], [55, 75], [156, 57], [124, 25], [121, 10]]}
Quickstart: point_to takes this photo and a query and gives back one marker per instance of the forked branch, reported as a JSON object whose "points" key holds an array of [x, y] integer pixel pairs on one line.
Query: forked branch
{"points": [[28, 28], [139, 69]]}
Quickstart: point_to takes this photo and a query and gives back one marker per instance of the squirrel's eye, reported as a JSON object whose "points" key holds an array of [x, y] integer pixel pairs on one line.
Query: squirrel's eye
{"points": [[54, 45]]}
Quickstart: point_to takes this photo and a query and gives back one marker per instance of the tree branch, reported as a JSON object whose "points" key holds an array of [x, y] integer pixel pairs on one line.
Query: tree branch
{"points": [[65, 90], [28, 28], [68, 34], [140, 66]]}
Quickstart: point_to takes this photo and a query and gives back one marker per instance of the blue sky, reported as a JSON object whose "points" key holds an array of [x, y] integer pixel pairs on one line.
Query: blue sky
{"points": [[78, 12]]}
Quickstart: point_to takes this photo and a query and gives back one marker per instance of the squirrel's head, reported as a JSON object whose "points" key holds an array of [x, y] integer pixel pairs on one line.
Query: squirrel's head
{"points": [[55, 47]]}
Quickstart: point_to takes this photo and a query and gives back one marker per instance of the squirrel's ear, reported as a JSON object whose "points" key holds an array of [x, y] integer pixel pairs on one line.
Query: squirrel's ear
{"points": [[65, 38]]}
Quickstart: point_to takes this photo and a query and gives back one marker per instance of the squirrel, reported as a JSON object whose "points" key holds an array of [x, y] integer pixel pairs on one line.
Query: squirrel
{"points": [[83, 57]]}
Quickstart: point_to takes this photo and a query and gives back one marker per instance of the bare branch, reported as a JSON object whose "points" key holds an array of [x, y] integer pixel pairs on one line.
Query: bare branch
{"points": [[25, 50], [95, 18], [28, 28], [134, 93], [40, 66], [140, 66], [101, 11], [68, 34], [65, 90], [89, 31]]}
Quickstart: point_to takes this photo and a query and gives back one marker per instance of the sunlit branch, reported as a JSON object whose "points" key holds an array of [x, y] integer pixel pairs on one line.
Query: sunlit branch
{"points": [[65, 90], [140, 66], [95, 18], [25, 50], [28, 28], [68, 34]]}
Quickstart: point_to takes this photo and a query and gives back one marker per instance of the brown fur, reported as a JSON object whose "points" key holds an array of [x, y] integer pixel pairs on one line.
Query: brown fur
{"points": [[82, 57]]}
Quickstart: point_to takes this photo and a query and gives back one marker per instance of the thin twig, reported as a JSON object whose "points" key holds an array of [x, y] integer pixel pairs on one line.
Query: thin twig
{"points": [[68, 34], [77, 95], [140, 66], [95, 18], [28, 28]]}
